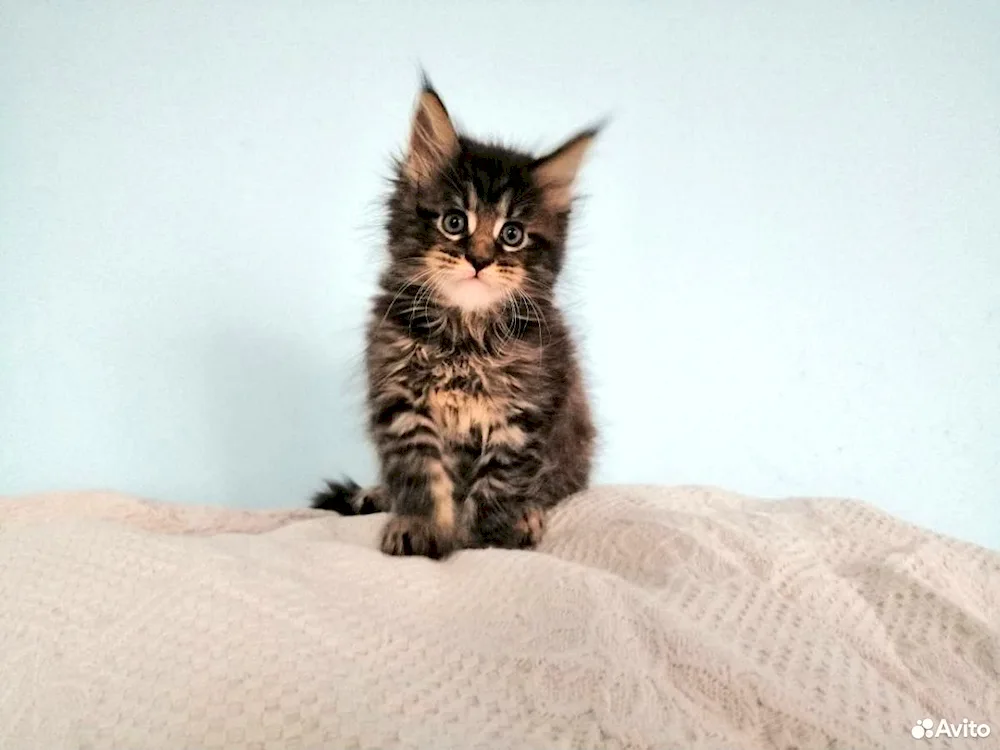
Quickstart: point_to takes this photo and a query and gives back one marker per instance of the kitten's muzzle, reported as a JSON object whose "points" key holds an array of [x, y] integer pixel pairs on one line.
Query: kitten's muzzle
{"points": [[478, 262]]}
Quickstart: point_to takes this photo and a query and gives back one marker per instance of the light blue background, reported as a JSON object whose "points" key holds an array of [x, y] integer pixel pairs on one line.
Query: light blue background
{"points": [[786, 274]]}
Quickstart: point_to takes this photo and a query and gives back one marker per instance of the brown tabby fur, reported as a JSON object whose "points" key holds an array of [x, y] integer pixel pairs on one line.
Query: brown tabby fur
{"points": [[478, 411]]}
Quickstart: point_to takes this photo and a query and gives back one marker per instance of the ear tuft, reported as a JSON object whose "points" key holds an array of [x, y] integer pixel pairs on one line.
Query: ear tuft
{"points": [[433, 138], [556, 172]]}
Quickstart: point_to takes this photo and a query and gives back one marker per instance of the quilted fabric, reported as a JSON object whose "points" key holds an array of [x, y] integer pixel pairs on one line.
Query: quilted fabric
{"points": [[651, 617]]}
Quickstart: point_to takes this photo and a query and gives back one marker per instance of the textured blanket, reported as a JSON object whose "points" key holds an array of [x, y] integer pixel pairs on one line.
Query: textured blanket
{"points": [[650, 618]]}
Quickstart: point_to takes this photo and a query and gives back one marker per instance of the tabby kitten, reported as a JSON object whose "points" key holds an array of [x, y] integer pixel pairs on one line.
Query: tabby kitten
{"points": [[476, 403]]}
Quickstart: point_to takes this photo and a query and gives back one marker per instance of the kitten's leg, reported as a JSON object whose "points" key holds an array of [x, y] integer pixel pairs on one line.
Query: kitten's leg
{"points": [[552, 468], [350, 499], [510, 524], [417, 482], [530, 526], [498, 504]]}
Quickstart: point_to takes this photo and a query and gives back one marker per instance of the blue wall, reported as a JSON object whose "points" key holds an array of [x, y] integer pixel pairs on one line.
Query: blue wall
{"points": [[786, 274]]}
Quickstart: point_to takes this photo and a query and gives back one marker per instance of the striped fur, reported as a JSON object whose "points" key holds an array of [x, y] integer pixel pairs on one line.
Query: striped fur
{"points": [[477, 406]]}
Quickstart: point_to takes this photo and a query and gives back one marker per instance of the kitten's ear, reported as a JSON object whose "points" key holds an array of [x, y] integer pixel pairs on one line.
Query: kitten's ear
{"points": [[433, 139], [556, 172]]}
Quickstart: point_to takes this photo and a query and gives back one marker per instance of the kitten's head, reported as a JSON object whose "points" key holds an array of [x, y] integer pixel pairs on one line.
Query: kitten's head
{"points": [[474, 225]]}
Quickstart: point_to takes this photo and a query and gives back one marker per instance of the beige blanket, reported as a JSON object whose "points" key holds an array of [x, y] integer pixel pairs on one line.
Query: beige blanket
{"points": [[650, 618]]}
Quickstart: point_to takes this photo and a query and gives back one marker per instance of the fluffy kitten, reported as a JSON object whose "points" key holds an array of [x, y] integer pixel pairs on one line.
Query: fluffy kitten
{"points": [[476, 403]]}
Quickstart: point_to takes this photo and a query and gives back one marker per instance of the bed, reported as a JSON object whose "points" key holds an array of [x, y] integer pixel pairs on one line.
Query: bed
{"points": [[650, 617]]}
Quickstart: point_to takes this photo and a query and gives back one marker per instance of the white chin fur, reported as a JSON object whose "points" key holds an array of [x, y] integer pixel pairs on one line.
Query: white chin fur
{"points": [[471, 294]]}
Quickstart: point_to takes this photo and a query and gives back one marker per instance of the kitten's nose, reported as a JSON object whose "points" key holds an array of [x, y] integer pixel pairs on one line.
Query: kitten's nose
{"points": [[478, 262]]}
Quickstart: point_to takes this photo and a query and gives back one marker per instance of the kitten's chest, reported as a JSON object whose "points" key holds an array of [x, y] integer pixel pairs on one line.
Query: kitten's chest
{"points": [[469, 396]]}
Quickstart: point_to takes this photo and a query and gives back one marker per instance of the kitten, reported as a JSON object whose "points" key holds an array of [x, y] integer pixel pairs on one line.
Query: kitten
{"points": [[477, 406]]}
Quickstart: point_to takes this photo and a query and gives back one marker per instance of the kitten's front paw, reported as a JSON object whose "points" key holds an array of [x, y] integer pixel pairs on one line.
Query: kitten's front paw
{"points": [[510, 528], [414, 535], [530, 527]]}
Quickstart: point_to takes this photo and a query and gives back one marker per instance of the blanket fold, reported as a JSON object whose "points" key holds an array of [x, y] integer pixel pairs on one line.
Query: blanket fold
{"points": [[650, 617]]}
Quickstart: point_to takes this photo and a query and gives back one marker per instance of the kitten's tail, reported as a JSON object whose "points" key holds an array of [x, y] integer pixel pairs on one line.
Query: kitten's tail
{"points": [[348, 498]]}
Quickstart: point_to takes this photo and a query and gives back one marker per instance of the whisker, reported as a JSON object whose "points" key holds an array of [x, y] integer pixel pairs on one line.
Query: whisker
{"points": [[410, 282], [539, 318], [423, 298], [507, 331]]}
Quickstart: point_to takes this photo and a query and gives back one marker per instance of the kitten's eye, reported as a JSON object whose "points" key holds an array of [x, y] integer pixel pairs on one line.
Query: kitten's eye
{"points": [[454, 222], [512, 234]]}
